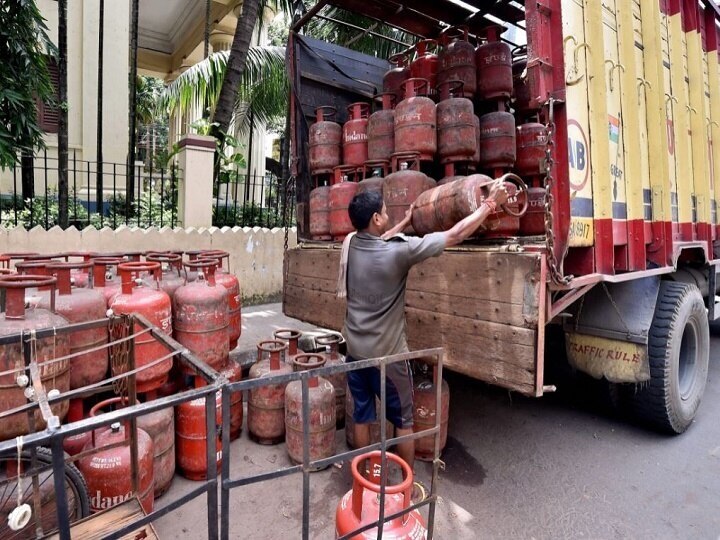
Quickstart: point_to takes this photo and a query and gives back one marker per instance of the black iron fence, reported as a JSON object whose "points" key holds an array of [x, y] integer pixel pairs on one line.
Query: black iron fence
{"points": [[29, 195]]}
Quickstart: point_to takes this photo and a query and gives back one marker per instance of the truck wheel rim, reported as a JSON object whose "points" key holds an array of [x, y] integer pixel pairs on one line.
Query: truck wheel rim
{"points": [[687, 361]]}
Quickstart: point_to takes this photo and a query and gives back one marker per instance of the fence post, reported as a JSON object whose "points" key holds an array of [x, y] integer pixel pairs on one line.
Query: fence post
{"points": [[195, 193]]}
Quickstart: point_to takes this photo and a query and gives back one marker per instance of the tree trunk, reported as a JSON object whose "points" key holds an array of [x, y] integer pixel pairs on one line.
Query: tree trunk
{"points": [[99, 150], [63, 117], [235, 67], [27, 168]]}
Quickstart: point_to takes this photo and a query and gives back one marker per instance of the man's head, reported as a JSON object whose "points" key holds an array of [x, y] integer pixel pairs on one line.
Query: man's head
{"points": [[368, 213]]}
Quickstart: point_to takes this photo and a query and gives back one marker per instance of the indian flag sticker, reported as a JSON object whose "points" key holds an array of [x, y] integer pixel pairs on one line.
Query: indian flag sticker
{"points": [[614, 129]]}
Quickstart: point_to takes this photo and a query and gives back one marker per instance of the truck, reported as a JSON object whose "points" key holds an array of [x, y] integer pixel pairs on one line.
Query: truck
{"points": [[625, 271]]}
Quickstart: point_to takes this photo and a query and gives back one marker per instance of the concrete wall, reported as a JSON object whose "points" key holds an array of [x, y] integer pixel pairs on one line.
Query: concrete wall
{"points": [[256, 254]]}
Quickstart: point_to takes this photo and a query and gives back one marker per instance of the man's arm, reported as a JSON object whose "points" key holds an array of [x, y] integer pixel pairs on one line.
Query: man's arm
{"points": [[467, 226], [400, 226]]}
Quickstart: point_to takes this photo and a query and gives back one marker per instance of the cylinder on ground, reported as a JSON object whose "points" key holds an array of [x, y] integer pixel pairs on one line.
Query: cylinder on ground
{"points": [[266, 404], [425, 415], [191, 437], [160, 426]]}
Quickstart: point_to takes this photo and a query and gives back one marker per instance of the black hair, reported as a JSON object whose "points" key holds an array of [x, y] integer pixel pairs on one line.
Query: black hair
{"points": [[363, 206]]}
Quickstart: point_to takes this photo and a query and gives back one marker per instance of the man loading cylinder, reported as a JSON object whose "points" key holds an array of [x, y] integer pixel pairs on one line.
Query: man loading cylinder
{"points": [[374, 267]]}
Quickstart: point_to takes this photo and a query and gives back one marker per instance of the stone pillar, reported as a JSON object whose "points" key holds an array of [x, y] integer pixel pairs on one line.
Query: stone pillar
{"points": [[195, 194], [221, 41]]}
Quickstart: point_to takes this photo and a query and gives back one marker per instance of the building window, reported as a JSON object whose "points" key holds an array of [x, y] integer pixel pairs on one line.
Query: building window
{"points": [[49, 113]]}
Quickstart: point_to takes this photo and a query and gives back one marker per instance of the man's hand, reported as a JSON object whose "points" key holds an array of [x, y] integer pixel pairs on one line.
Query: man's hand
{"points": [[498, 192], [404, 222], [408, 215]]}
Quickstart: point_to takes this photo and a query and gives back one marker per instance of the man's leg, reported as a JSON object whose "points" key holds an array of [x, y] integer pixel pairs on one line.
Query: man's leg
{"points": [[406, 449], [362, 435]]}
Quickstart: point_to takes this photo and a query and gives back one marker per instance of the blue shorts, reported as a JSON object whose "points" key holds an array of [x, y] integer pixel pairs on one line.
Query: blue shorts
{"points": [[364, 385]]}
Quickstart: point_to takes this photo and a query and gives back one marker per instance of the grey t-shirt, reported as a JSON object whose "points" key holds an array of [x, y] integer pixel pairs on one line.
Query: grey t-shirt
{"points": [[377, 273]]}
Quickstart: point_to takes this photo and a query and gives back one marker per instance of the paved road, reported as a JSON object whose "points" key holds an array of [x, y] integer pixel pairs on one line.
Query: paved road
{"points": [[559, 467]]}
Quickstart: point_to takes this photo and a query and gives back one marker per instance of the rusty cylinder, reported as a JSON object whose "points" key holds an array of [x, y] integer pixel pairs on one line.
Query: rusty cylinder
{"points": [[341, 193], [331, 342], [266, 404], [232, 289], [355, 137], [497, 140], [105, 280], [201, 317], [506, 221], [321, 424], [191, 436], [325, 142], [531, 141], [381, 130], [455, 125], [172, 275], [425, 66], [320, 213], [533, 222], [416, 122], [291, 338], [395, 77], [494, 67], [457, 60], [160, 425], [53, 376], [425, 414], [400, 190], [233, 372]]}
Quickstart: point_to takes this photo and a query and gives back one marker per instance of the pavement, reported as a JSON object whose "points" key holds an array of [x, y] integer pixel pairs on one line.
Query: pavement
{"points": [[563, 466]]}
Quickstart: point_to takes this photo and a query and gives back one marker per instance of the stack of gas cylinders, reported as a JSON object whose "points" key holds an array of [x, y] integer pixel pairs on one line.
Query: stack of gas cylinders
{"points": [[448, 110], [196, 300]]}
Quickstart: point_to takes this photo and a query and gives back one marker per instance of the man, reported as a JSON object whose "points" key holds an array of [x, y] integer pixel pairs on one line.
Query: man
{"points": [[373, 272]]}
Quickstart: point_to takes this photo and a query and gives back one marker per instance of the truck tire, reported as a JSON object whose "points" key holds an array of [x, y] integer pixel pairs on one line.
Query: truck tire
{"points": [[678, 350]]}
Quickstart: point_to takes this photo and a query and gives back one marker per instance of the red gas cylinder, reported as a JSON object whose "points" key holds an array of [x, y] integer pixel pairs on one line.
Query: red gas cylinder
{"points": [[321, 424], [531, 145], [227, 279], [108, 473], [457, 60], [341, 193], [497, 140], [201, 317], [81, 277], [5, 262], [456, 133], [172, 275], [74, 444], [494, 66], [374, 425], [395, 77], [521, 88], [426, 64], [361, 505], [291, 338], [266, 404], [331, 343], [320, 213], [155, 306], [81, 305], [416, 121], [441, 208], [400, 190], [53, 376], [425, 414], [191, 436], [355, 136], [450, 175], [325, 142], [381, 130], [105, 280], [506, 221], [233, 372], [160, 425], [374, 174], [533, 222]]}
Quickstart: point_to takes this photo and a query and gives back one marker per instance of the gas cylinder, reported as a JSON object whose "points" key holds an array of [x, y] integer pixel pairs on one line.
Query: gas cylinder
{"points": [[497, 140], [456, 60], [395, 77], [425, 414], [325, 142], [476, 157], [533, 222], [494, 66], [81, 305], [227, 279], [374, 425], [5, 262], [416, 121], [55, 376], [291, 338], [331, 342], [441, 208], [74, 444], [400, 190], [381, 130], [233, 372], [172, 275], [133, 256], [456, 135], [355, 136], [506, 221], [155, 306], [105, 280], [160, 425], [321, 424], [81, 277], [201, 316], [108, 473], [341, 193], [425, 66], [266, 404], [320, 213], [374, 174], [531, 145], [521, 88], [191, 436], [361, 505], [450, 175]]}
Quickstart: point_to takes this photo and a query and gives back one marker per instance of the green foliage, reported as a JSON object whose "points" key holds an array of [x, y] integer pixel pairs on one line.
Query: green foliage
{"points": [[24, 77], [34, 212], [248, 215]]}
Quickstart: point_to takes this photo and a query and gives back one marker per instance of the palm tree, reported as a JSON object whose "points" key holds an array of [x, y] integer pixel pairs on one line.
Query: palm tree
{"points": [[62, 118]]}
